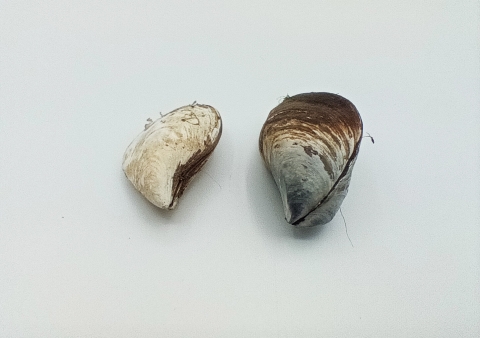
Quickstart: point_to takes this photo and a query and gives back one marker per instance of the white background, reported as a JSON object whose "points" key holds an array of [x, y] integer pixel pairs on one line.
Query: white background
{"points": [[82, 254]]}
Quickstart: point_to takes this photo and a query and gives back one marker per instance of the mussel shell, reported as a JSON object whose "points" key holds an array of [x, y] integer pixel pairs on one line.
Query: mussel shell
{"points": [[164, 158], [309, 143]]}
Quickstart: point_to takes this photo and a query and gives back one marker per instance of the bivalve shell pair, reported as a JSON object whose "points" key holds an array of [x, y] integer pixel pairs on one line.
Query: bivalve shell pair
{"points": [[164, 158], [309, 143]]}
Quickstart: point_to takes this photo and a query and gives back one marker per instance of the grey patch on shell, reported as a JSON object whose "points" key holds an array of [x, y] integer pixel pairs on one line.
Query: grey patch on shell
{"points": [[322, 214], [330, 205], [327, 166], [311, 152]]}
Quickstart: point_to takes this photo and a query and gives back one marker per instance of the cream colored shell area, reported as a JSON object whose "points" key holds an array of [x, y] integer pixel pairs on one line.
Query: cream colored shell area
{"points": [[151, 160]]}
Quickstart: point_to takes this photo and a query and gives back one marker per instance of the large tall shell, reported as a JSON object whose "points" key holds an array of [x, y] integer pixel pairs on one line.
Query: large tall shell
{"points": [[310, 143], [163, 159]]}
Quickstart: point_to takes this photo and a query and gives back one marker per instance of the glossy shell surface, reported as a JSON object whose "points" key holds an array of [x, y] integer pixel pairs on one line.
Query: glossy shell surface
{"points": [[309, 143], [163, 159]]}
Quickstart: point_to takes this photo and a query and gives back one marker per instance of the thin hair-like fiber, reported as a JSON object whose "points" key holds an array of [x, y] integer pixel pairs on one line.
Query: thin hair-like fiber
{"points": [[346, 230]]}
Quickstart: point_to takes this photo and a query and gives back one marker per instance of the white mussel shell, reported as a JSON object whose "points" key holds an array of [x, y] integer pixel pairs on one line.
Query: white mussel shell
{"points": [[162, 159], [309, 143]]}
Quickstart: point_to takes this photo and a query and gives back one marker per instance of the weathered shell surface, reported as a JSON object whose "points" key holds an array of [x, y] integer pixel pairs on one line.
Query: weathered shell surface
{"points": [[310, 143], [162, 160]]}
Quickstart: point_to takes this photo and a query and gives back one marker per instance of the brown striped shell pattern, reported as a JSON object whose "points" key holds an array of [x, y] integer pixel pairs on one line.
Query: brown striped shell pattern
{"points": [[309, 143]]}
